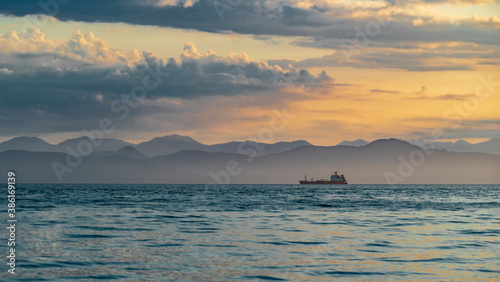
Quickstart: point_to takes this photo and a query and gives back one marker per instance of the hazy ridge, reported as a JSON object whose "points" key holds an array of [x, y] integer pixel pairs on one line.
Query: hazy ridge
{"points": [[382, 161]]}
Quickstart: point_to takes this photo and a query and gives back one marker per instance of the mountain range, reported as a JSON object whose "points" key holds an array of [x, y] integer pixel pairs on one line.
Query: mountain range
{"points": [[174, 143], [491, 146], [166, 160], [153, 148]]}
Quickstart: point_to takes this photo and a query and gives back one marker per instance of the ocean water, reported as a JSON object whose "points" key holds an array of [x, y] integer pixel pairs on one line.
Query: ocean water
{"points": [[256, 233]]}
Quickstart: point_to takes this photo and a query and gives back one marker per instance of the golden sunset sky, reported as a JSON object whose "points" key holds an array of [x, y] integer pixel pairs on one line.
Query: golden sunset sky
{"points": [[343, 69]]}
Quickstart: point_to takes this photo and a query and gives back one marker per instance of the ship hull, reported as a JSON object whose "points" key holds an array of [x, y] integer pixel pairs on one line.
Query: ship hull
{"points": [[323, 182]]}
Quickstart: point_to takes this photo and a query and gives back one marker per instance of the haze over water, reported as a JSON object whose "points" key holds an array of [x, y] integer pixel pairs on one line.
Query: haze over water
{"points": [[258, 232]]}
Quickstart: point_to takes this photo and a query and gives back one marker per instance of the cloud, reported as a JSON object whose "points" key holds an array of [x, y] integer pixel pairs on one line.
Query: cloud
{"points": [[266, 38], [455, 97], [340, 127], [361, 34], [382, 91], [54, 86], [464, 132], [377, 58], [454, 2], [423, 94], [80, 49], [490, 63], [319, 20]]}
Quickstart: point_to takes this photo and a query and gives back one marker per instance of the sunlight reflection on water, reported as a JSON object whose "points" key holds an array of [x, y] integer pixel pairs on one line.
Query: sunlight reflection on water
{"points": [[265, 232]]}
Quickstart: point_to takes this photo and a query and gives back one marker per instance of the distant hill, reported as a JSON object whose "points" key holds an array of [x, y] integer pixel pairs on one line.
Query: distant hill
{"points": [[127, 151], [33, 144], [155, 147], [260, 148], [355, 143], [491, 146], [168, 145], [174, 143], [130, 151], [171, 144], [377, 162], [105, 144]]}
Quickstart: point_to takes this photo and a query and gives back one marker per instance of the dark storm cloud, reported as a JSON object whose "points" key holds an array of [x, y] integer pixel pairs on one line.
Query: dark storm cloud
{"points": [[247, 17], [51, 92], [320, 22]]}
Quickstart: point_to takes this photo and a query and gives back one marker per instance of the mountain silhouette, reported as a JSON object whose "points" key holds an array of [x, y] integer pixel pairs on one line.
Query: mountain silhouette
{"points": [[379, 162]]}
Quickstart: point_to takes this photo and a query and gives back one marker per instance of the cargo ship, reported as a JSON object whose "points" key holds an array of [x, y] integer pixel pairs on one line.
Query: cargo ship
{"points": [[334, 179]]}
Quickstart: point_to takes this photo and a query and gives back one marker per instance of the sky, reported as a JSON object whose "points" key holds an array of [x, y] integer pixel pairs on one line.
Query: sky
{"points": [[321, 71]]}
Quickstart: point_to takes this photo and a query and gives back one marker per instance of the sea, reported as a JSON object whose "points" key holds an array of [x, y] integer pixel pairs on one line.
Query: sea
{"points": [[75, 232]]}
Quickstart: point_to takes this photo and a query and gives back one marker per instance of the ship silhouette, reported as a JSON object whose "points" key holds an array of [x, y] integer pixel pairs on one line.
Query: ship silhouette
{"points": [[334, 179]]}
